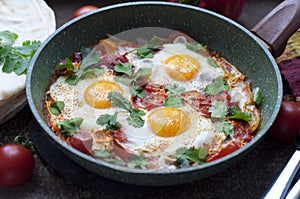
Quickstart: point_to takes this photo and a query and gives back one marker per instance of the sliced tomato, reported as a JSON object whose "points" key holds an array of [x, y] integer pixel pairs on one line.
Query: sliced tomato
{"points": [[227, 149]]}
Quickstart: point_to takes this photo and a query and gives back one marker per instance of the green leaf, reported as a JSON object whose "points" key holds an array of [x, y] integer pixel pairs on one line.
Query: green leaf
{"points": [[68, 65], [92, 72], [70, 127], [173, 101], [7, 38], [225, 127], [56, 107], [109, 121], [194, 46], [217, 86], [125, 68], [135, 118], [118, 100], [237, 114], [144, 52], [190, 154], [174, 89], [257, 95], [212, 63], [141, 75], [102, 153], [137, 91], [218, 110], [153, 43], [137, 161], [123, 80], [89, 59], [72, 79]]}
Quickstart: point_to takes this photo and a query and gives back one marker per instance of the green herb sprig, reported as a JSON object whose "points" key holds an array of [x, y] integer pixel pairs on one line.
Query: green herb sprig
{"points": [[145, 51], [191, 155], [70, 127], [16, 58], [172, 100]]}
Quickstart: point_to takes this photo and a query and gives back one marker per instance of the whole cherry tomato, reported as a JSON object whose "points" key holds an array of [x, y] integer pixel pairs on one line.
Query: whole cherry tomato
{"points": [[83, 10], [16, 165], [228, 8], [287, 122]]}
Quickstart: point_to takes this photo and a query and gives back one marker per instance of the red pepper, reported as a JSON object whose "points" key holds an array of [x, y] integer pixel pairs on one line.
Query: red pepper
{"points": [[228, 8], [227, 149]]}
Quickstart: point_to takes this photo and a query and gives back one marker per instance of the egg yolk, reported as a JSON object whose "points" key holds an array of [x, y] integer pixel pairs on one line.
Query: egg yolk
{"points": [[168, 122], [96, 94], [182, 67]]}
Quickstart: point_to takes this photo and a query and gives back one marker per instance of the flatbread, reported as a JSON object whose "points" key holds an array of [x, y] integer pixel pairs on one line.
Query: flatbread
{"points": [[31, 20]]}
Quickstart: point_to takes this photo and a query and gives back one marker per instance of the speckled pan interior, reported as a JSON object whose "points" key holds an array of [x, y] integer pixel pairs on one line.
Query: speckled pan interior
{"points": [[231, 40]]}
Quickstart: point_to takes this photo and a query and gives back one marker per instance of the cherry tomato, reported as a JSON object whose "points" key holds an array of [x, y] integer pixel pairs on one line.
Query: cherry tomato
{"points": [[287, 122], [228, 8], [16, 165], [83, 10]]}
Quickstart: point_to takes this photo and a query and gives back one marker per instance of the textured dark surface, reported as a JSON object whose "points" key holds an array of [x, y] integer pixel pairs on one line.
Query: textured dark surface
{"points": [[249, 178]]}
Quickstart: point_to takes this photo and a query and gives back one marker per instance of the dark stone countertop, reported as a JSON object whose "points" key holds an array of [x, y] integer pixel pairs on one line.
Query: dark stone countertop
{"points": [[249, 178]]}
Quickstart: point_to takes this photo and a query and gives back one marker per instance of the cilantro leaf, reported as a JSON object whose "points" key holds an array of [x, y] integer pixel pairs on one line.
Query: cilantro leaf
{"points": [[68, 65], [118, 100], [137, 161], [109, 121], [237, 114], [194, 46], [7, 38], [174, 89], [217, 86], [173, 101], [257, 95], [125, 68], [141, 76], [184, 156], [225, 127], [145, 51], [56, 107], [137, 91], [102, 153], [218, 110], [135, 118], [70, 127], [212, 63]]}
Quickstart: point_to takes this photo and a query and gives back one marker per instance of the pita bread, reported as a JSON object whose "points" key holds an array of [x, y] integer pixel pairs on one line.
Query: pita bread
{"points": [[31, 20]]}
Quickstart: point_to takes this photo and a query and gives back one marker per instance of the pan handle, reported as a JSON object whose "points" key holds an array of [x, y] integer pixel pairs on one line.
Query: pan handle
{"points": [[279, 25]]}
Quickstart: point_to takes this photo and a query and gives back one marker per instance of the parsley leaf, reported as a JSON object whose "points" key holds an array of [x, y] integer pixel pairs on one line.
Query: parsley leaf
{"points": [[212, 63], [145, 51], [172, 100], [257, 95], [56, 107], [125, 68], [194, 46], [86, 69], [70, 127], [135, 115], [225, 127], [237, 114], [109, 121], [137, 161], [218, 110], [184, 156], [217, 86], [16, 58]]}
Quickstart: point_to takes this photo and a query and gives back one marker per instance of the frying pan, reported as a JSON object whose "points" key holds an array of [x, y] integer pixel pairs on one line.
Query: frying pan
{"points": [[234, 42]]}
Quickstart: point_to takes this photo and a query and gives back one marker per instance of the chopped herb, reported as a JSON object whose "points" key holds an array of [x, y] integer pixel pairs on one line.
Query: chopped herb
{"points": [[237, 114], [184, 156], [225, 127], [218, 110], [109, 121], [135, 80], [217, 86], [172, 100], [70, 127], [145, 51], [194, 46], [212, 63], [86, 68], [25, 142], [56, 107], [16, 58], [135, 115], [102, 153], [137, 161], [257, 95]]}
